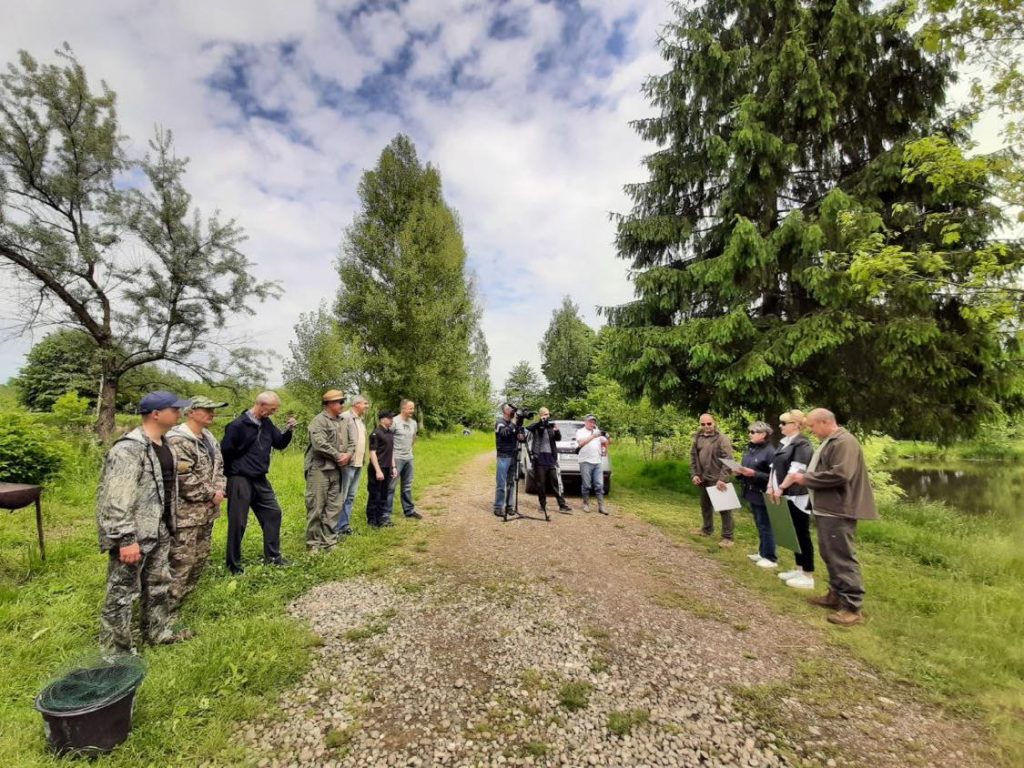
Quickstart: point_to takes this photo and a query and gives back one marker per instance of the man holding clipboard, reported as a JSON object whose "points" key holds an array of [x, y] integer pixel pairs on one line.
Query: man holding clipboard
{"points": [[708, 472]]}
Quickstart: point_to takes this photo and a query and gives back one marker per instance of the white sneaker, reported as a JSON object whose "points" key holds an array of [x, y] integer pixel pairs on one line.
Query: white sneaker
{"points": [[787, 575], [803, 581], [755, 557], [764, 562]]}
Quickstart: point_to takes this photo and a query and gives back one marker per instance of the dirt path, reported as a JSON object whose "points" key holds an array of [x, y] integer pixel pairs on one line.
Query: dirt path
{"points": [[589, 640]]}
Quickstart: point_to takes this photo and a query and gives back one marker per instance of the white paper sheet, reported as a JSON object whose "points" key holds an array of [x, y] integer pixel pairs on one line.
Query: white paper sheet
{"points": [[723, 500]]}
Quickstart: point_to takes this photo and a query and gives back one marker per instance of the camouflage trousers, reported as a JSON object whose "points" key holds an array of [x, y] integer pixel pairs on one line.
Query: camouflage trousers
{"points": [[323, 507], [149, 581], [190, 551]]}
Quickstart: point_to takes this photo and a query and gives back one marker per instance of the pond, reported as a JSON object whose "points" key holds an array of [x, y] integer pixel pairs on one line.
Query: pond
{"points": [[976, 488]]}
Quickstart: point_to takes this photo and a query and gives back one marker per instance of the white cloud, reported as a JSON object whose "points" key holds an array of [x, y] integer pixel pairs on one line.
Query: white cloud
{"points": [[532, 174]]}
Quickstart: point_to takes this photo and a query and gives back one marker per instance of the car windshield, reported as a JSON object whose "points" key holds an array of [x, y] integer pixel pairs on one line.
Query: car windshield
{"points": [[568, 428]]}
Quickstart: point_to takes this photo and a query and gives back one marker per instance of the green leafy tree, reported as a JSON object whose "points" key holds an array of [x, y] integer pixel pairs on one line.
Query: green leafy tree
{"points": [[405, 301], [567, 354], [796, 241], [322, 358], [523, 387], [137, 270], [988, 35], [481, 405], [63, 361]]}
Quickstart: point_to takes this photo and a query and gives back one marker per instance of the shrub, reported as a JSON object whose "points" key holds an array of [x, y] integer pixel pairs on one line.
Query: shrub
{"points": [[72, 409], [30, 452]]}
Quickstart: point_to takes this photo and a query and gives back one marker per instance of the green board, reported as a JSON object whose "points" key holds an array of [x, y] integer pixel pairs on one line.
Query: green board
{"points": [[782, 524]]}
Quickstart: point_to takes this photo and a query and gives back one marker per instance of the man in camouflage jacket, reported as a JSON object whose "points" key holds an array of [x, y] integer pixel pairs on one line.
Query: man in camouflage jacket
{"points": [[201, 486], [135, 519]]}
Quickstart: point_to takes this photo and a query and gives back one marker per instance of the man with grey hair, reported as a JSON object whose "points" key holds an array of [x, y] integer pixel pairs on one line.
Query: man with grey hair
{"points": [[837, 477], [709, 448], [352, 438], [248, 441]]}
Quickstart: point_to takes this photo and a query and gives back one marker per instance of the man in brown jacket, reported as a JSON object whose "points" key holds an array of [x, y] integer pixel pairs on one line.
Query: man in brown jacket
{"points": [[709, 448], [840, 496]]}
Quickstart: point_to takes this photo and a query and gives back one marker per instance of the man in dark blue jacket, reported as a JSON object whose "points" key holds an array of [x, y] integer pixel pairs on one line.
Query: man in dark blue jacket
{"points": [[508, 433], [248, 441]]}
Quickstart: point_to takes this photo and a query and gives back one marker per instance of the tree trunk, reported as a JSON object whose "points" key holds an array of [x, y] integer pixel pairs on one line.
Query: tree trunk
{"points": [[107, 406]]}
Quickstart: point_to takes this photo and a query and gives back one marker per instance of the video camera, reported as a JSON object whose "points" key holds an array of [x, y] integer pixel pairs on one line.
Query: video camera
{"points": [[519, 415]]}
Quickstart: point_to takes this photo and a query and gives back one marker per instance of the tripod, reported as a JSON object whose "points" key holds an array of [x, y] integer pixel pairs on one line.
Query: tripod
{"points": [[512, 479]]}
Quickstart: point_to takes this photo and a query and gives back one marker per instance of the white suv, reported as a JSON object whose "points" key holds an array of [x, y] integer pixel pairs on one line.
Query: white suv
{"points": [[568, 460]]}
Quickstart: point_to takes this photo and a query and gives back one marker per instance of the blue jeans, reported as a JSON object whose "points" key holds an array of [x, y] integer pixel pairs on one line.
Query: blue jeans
{"points": [[765, 535], [349, 486], [405, 473], [592, 480], [502, 479]]}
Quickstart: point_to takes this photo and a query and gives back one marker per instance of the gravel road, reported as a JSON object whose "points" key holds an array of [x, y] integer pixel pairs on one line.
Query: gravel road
{"points": [[586, 641]]}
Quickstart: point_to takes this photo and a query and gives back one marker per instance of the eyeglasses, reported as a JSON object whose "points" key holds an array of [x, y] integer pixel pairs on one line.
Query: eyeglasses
{"points": [[707, 423], [753, 432]]}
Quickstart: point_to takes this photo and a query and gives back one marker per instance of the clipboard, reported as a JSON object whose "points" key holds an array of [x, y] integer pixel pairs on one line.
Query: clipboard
{"points": [[782, 524], [723, 501]]}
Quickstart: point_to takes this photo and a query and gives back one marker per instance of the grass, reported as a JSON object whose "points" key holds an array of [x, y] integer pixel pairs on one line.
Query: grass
{"points": [[944, 604], [246, 650], [622, 723], [575, 695]]}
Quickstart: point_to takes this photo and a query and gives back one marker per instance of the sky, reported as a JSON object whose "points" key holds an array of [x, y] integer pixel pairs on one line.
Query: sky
{"points": [[523, 106]]}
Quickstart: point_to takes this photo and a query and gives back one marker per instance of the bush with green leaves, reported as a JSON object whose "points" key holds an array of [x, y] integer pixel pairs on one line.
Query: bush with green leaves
{"points": [[30, 452]]}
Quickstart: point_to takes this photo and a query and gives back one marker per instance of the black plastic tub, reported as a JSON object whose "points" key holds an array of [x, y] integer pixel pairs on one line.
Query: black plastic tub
{"points": [[101, 717]]}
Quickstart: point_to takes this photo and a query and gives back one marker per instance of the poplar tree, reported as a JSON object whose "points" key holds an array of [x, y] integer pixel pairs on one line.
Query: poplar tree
{"points": [[812, 229], [405, 301]]}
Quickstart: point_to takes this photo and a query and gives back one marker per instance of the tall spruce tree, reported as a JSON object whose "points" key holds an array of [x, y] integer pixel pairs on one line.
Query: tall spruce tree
{"points": [[811, 231], [405, 300], [567, 352]]}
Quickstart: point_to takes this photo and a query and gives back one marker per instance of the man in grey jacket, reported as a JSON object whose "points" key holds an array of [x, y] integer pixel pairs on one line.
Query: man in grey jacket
{"points": [[840, 496], [135, 517], [352, 434], [706, 469]]}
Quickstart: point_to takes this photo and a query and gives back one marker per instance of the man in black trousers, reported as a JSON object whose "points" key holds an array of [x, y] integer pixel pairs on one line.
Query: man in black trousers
{"points": [[382, 472], [247, 443]]}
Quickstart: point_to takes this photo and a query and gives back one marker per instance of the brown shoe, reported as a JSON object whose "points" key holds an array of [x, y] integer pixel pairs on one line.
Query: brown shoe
{"points": [[828, 600], [845, 618], [726, 544]]}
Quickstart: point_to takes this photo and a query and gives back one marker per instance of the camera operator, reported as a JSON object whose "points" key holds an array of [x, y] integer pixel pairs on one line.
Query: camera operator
{"points": [[508, 433], [544, 458], [591, 441]]}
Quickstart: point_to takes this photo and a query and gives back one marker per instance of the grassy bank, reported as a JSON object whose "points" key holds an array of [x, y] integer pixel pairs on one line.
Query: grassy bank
{"points": [[945, 607], [972, 450], [246, 649]]}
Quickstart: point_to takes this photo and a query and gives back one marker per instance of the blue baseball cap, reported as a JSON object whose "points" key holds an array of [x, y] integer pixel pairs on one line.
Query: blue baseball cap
{"points": [[157, 401]]}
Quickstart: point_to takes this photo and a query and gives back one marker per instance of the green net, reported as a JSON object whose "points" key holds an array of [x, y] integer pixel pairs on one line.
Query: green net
{"points": [[93, 686]]}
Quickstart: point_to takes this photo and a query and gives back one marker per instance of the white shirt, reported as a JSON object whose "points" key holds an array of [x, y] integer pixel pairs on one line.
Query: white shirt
{"points": [[800, 501], [591, 452]]}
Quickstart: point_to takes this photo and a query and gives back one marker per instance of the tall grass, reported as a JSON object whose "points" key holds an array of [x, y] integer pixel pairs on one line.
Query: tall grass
{"points": [[246, 649], [944, 598]]}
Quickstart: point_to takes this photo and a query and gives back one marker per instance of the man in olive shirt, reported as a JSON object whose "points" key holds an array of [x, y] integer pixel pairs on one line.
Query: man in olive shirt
{"points": [[322, 466], [840, 496], [405, 428], [709, 448]]}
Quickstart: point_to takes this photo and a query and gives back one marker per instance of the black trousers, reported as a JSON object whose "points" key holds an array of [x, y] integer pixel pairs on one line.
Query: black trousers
{"points": [[543, 476], [245, 493], [802, 524], [377, 495]]}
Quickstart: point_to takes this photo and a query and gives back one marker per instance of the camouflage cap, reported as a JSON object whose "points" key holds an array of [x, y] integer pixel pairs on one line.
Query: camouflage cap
{"points": [[205, 402]]}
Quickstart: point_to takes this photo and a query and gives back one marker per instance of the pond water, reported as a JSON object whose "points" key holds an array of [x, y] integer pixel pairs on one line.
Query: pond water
{"points": [[976, 488]]}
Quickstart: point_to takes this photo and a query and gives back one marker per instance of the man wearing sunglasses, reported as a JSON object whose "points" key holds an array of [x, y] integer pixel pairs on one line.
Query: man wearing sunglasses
{"points": [[709, 448]]}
